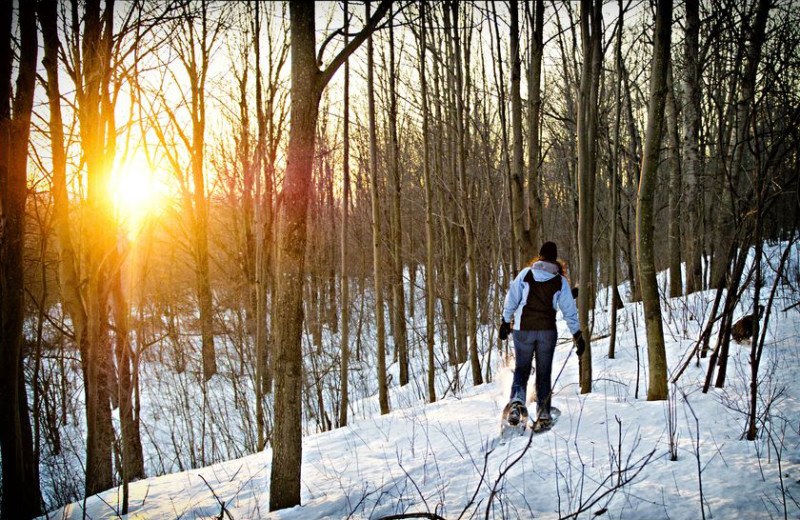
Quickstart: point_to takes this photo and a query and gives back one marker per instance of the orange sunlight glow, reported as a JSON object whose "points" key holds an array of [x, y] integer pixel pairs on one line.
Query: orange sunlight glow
{"points": [[136, 192]]}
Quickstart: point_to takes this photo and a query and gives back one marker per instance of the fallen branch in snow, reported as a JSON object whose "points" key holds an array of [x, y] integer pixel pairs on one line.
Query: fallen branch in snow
{"points": [[430, 516], [414, 483], [790, 307], [222, 512]]}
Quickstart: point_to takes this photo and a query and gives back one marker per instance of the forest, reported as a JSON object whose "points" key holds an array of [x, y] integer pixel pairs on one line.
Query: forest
{"points": [[228, 226]]}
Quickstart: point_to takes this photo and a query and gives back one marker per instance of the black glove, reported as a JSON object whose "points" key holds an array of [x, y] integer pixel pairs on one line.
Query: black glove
{"points": [[505, 330], [580, 343]]}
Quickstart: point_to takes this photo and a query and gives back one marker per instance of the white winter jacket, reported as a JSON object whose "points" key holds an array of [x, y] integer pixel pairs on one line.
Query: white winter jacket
{"points": [[518, 294]]}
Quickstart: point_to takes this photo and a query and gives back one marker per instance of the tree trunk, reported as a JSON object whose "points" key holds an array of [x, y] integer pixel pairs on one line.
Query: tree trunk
{"points": [[344, 371], [21, 495], [383, 392], [534, 121], [591, 36], [288, 317], [447, 296], [200, 238], [90, 321], [633, 169], [519, 208], [656, 353], [308, 83], [258, 289], [399, 315], [693, 163], [741, 137], [613, 250], [723, 199], [754, 351], [95, 114], [673, 139], [430, 301], [500, 85], [466, 222], [132, 462]]}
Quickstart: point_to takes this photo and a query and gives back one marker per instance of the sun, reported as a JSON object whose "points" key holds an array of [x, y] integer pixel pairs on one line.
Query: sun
{"points": [[136, 192]]}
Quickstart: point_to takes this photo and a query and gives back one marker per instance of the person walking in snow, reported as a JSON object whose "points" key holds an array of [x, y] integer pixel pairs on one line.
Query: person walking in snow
{"points": [[531, 301]]}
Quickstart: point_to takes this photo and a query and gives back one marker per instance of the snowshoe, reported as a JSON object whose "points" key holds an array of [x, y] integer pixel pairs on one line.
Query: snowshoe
{"points": [[514, 420], [544, 424]]}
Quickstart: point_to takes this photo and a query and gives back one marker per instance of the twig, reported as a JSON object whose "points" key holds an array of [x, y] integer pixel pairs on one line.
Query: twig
{"points": [[697, 454], [790, 307], [431, 516], [222, 512], [592, 500]]}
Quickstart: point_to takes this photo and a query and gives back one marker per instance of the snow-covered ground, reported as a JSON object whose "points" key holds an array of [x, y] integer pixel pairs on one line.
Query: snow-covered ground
{"points": [[609, 454]]}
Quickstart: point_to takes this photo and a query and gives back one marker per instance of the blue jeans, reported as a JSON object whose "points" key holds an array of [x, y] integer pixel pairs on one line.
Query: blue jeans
{"points": [[542, 343]]}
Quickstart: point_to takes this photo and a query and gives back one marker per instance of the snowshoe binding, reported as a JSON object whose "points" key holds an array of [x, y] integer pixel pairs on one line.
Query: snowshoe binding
{"points": [[514, 420], [543, 424]]}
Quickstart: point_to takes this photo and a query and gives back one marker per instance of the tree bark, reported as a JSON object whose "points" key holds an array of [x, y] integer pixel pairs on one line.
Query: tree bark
{"points": [[197, 78], [21, 495], [447, 295], [466, 220], [693, 162], [591, 36], [656, 353], [344, 371], [673, 140], [430, 297], [613, 250], [288, 316], [132, 457], [258, 292], [534, 121], [500, 85], [399, 315], [95, 114], [308, 83], [377, 271], [519, 208]]}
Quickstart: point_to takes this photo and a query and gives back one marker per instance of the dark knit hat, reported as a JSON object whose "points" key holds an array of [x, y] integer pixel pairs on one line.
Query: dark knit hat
{"points": [[549, 251]]}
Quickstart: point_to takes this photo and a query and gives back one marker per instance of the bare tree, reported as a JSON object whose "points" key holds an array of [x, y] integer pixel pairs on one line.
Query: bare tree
{"points": [[591, 40], [657, 358], [21, 494], [693, 159], [377, 270], [344, 280], [615, 173], [536, 20], [518, 207], [92, 74], [673, 141], [398, 291], [195, 53], [308, 82], [463, 203], [430, 297]]}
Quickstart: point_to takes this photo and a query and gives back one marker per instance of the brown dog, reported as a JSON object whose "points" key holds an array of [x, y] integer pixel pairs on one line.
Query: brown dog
{"points": [[743, 329]]}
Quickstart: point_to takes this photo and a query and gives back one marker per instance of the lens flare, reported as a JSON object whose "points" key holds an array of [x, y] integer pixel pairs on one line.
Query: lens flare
{"points": [[135, 192]]}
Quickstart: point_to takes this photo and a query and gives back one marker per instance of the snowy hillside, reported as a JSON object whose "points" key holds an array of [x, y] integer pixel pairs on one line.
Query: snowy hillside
{"points": [[608, 455]]}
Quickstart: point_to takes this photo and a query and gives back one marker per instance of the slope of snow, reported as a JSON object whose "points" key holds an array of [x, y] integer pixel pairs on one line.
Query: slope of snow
{"points": [[608, 455]]}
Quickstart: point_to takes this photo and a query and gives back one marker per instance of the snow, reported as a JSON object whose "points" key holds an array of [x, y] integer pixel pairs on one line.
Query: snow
{"points": [[437, 457]]}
